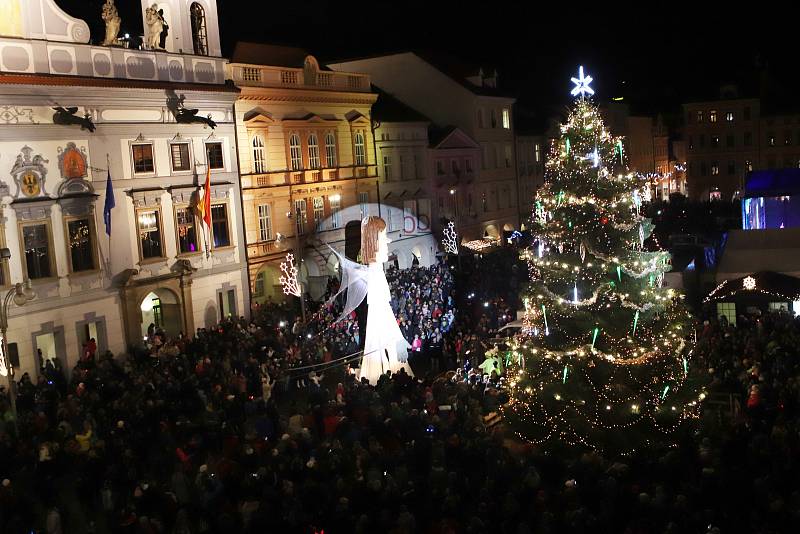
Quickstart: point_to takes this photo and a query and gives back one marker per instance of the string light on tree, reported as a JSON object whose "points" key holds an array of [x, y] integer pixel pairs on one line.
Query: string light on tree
{"points": [[288, 280], [587, 232]]}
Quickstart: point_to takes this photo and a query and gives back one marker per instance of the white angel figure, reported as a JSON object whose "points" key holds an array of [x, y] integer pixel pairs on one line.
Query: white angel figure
{"points": [[385, 348]]}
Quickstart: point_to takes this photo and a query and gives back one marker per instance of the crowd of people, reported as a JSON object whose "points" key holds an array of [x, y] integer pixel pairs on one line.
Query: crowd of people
{"points": [[209, 434]]}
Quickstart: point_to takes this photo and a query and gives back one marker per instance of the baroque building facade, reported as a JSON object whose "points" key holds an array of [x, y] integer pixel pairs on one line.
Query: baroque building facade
{"points": [[75, 117]]}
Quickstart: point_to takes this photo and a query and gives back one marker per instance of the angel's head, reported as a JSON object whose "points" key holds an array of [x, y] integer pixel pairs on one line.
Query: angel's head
{"points": [[374, 242]]}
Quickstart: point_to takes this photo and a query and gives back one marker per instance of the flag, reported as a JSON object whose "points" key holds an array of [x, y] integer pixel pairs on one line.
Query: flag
{"points": [[204, 204], [109, 204]]}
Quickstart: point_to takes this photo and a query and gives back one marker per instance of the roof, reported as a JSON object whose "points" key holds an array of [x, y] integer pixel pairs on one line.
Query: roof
{"points": [[763, 283], [389, 109], [87, 81], [267, 54], [459, 70], [749, 251], [772, 183]]}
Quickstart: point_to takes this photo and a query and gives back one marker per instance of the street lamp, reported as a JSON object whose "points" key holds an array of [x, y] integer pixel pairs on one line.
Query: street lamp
{"points": [[19, 294]]}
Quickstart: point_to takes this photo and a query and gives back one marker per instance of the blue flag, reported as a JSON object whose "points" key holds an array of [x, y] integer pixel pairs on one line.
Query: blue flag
{"points": [[109, 204]]}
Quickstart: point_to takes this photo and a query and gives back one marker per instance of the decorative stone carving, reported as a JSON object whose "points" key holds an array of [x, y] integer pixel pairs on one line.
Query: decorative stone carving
{"points": [[29, 174], [15, 115], [111, 18], [154, 25], [72, 162]]}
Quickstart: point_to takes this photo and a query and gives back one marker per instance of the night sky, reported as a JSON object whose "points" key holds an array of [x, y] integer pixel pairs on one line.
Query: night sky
{"points": [[656, 56]]}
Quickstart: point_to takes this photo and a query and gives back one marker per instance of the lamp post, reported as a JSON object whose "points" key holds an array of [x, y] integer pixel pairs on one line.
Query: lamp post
{"points": [[19, 294]]}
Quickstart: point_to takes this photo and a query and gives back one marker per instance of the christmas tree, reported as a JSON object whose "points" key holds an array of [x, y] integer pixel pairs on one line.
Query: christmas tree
{"points": [[604, 360]]}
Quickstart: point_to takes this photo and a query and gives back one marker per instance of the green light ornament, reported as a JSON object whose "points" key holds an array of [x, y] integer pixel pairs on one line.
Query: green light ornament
{"points": [[594, 335], [619, 273], [635, 321], [566, 372], [619, 148], [664, 393], [546, 328], [567, 144], [685, 367]]}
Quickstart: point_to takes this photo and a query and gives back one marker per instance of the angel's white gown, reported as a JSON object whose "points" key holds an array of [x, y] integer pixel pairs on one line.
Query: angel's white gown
{"points": [[385, 348]]}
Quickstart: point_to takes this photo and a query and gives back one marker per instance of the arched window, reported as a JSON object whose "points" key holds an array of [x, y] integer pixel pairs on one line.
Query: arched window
{"points": [[361, 158], [295, 152], [259, 155], [330, 150], [199, 33], [313, 151]]}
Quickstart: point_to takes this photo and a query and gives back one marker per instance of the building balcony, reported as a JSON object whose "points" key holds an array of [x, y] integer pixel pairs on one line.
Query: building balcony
{"points": [[267, 76], [308, 176], [264, 248]]}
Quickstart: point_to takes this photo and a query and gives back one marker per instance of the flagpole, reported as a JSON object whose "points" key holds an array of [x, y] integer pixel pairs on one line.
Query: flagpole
{"points": [[108, 252]]}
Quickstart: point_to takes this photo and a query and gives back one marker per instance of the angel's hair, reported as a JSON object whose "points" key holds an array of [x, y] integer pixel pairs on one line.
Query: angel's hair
{"points": [[371, 226]]}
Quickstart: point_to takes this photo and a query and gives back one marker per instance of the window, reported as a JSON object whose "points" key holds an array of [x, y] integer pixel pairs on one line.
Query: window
{"points": [[715, 141], [470, 207], [484, 156], [361, 157], [319, 212], [313, 152], [258, 287], [330, 150], [714, 168], [699, 117], [691, 142], [300, 215], [454, 167], [199, 33], [712, 116], [150, 234], [417, 166], [729, 141], [779, 306], [731, 167], [295, 154], [36, 242], [335, 203], [401, 166], [219, 226], [748, 165], [506, 119], [702, 141], [440, 168], [703, 169], [187, 231], [748, 138], [214, 151], [480, 117], [80, 234], [537, 150], [387, 167], [771, 139], [363, 202], [729, 116], [494, 119], [787, 138], [508, 155], [180, 156], [259, 155], [143, 158], [264, 222], [484, 203], [728, 309], [468, 165], [746, 113]]}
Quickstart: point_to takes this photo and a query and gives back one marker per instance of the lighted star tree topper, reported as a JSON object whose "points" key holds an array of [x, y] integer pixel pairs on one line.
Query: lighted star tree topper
{"points": [[604, 361]]}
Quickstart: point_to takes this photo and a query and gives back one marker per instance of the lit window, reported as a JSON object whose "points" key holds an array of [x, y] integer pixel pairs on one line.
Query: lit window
{"points": [[771, 139], [313, 151], [300, 215], [142, 158], [214, 151], [36, 243], [330, 150], [714, 168], [150, 234], [295, 152], [728, 310], [506, 119], [729, 116], [187, 233], [258, 288], [361, 157], [748, 165], [387, 167], [80, 233], [259, 154], [180, 156], [264, 222], [219, 225], [319, 212], [699, 117], [712, 116], [715, 140], [335, 203], [787, 138], [537, 152]]}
